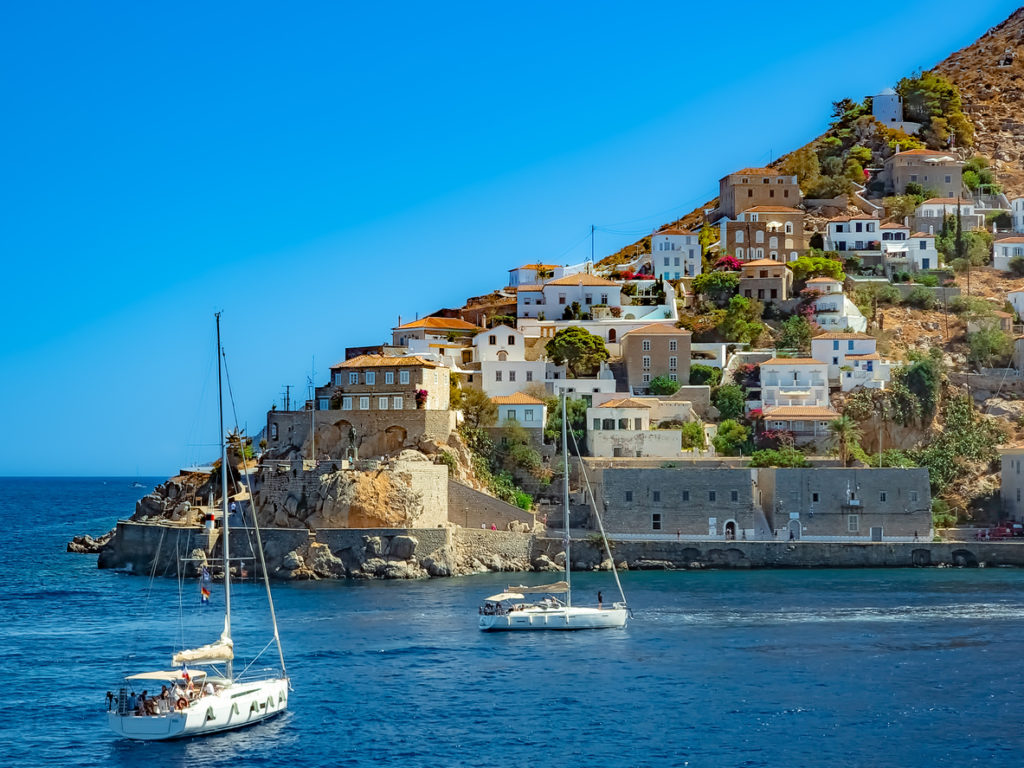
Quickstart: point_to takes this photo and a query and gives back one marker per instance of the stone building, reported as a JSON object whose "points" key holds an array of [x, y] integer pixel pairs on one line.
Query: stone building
{"points": [[656, 350], [749, 187], [940, 172], [766, 280], [764, 232], [1011, 483], [623, 428]]}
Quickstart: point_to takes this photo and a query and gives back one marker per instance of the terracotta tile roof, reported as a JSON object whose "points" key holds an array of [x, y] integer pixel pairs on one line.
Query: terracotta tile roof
{"points": [[582, 279], [626, 402], [659, 328], [948, 201], [762, 263], [792, 361], [872, 356], [842, 335], [922, 152], [534, 266], [894, 225], [823, 280], [773, 209], [441, 323], [516, 399], [1007, 240], [800, 412], [755, 172], [530, 288], [382, 361], [853, 218], [1000, 313], [921, 234], [674, 231]]}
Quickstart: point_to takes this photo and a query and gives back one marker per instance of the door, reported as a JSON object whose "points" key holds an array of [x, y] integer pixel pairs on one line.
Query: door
{"points": [[730, 530], [876, 533], [794, 530]]}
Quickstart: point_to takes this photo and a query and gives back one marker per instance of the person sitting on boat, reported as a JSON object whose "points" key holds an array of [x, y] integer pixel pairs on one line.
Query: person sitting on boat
{"points": [[143, 705], [165, 699], [133, 702], [208, 689]]}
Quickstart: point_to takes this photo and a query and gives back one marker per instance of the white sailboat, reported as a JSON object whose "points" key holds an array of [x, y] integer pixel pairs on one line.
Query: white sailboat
{"points": [[200, 701], [510, 610]]}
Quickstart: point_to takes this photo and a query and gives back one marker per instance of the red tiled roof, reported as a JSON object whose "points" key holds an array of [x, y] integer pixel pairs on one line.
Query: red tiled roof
{"points": [[675, 231], [658, 328], [1006, 240], [792, 361], [763, 263], [894, 225], [842, 335], [382, 361], [756, 172], [773, 209], [626, 402], [948, 201], [440, 323], [800, 412], [582, 279], [921, 234], [517, 398]]}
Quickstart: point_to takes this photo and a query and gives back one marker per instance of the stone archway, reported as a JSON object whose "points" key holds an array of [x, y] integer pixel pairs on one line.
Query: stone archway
{"points": [[794, 530], [394, 439], [730, 530], [611, 335]]}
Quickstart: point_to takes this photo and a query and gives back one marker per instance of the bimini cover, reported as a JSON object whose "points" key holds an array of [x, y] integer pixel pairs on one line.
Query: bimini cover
{"points": [[557, 588], [503, 596], [222, 650]]}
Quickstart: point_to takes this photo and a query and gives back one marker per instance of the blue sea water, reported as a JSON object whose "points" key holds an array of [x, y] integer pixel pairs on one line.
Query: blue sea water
{"points": [[765, 668]]}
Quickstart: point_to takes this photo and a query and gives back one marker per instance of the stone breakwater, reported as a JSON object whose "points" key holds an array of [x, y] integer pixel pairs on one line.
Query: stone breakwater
{"points": [[389, 553]]}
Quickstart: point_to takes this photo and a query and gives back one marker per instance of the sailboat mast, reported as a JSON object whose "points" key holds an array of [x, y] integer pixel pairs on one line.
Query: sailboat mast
{"points": [[565, 503], [224, 499]]}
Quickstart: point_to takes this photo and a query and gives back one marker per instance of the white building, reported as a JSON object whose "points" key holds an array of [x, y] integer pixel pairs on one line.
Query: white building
{"points": [[853, 360], [853, 233], [1016, 299], [922, 252], [794, 396], [1005, 250], [887, 108], [833, 311], [623, 428], [433, 329], [1011, 483], [675, 253], [504, 369], [525, 410], [1017, 214], [532, 274], [553, 297], [601, 384], [894, 237], [941, 207]]}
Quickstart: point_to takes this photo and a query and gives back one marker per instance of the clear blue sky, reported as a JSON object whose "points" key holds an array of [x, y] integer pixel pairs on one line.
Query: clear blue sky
{"points": [[316, 170]]}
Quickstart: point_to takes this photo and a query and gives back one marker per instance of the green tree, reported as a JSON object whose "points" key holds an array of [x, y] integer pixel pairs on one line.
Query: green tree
{"points": [[870, 295], [854, 171], [844, 434], [707, 237], [1017, 266], [741, 320], [920, 297], [576, 409], [861, 154], [705, 374], [663, 385], [732, 438], [797, 332], [454, 391], [477, 408], [692, 435], [786, 456], [716, 286], [579, 349], [929, 96], [901, 206], [806, 267], [989, 346], [730, 400], [803, 163], [923, 378]]}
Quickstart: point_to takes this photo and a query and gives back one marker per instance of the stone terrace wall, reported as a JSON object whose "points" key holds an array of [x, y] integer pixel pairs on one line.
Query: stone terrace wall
{"points": [[471, 509]]}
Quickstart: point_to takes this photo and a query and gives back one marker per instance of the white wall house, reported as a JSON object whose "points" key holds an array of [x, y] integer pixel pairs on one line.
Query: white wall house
{"points": [[940, 207], [794, 397], [585, 289], [853, 360], [833, 311], [525, 410], [852, 233], [1003, 251], [602, 384], [1016, 299], [922, 252], [504, 369], [1017, 214], [675, 253], [894, 237], [529, 274], [1011, 483], [433, 329], [623, 428]]}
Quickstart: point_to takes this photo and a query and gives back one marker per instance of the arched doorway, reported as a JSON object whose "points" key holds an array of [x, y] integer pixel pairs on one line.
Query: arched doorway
{"points": [[730, 530], [794, 530], [394, 439], [611, 334]]}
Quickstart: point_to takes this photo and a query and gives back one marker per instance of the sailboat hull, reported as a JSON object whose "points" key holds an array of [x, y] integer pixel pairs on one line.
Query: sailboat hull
{"points": [[235, 706], [554, 619]]}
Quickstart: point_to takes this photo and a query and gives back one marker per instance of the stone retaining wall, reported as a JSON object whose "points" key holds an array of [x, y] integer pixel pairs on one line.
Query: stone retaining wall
{"points": [[471, 509]]}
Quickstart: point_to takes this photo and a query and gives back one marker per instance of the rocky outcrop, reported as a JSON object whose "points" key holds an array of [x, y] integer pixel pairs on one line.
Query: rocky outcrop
{"points": [[87, 545]]}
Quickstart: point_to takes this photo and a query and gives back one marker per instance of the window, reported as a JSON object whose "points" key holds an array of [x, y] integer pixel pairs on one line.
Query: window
{"points": [[849, 346], [672, 345], [647, 345], [734, 495], [403, 377], [588, 299], [528, 414], [656, 495], [673, 377], [273, 431], [814, 498], [656, 522], [353, 377], [645, 361], [712, 495], [949, 179], [511, 375], [835, 345], [750, 193], [646, 378], [666, 261], [325, 403], [389, 377], [604, 298], [364, 403], [789, 228], [529, 375], [676, 262], [913, 495], [492, 339], [510, 415], [853, 523], [882, 496], [511, 341], [497, 375], [686, 495], [775, 293], [673, 363], [629, 494], [739, 237], [397, 403], [337, 379], [382, 403], [346, 403], [561, 298]]}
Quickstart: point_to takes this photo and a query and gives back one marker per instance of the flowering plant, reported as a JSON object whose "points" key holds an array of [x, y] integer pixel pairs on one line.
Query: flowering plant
{"points": [[421, 397]]}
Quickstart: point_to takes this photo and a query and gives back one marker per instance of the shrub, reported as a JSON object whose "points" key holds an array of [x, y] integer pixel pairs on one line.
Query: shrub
{"points": [[663, 385], [1017, 266], [732, 438], [921, 298], [705, 374], [786, 456], [989, 347], [929, 281], [729, 399], [692, 435]]}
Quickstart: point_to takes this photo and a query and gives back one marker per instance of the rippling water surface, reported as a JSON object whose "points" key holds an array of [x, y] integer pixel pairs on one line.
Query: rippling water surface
{"points": [[764, 668]]}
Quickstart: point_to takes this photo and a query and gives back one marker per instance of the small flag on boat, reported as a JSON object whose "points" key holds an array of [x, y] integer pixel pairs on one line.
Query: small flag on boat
{"points": [[207, 578], [204, 594], [184, 673]]}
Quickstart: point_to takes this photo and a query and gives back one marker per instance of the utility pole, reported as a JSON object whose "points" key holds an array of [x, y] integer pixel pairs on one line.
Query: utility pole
{"points": [[312, 410], [591, 243], [960, 244], [287, 396]]}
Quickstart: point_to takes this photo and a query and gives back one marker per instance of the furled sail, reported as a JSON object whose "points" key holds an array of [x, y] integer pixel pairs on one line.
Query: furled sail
{"points": [[222, 650], [557, 588]]}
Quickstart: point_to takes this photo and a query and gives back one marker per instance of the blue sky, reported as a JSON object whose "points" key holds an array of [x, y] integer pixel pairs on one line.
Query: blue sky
{"points": [[316, 171]]}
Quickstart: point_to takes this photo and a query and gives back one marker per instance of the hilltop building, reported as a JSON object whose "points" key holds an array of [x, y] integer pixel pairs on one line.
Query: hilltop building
{"points": [[833, 310], [940, 172], [794, 397], [853, 233], [887, 108], [552, 298], [750, 187], [675, 253], [1017, 214], [433, 329], [764, 232]]}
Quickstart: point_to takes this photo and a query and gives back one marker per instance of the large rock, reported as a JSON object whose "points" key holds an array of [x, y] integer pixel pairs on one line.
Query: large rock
{"points": [[544, 563], [87, 545], [323, 563], [402, 547], [292, 561], [492, 562], [372, 546]]}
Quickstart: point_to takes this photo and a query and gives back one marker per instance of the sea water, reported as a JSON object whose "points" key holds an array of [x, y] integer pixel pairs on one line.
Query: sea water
{"points": [[913, 667]]}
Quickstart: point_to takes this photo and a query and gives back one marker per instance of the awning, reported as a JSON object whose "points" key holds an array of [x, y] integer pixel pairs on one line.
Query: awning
{"points": [[502, 596], [557, 588], [168, 676]]}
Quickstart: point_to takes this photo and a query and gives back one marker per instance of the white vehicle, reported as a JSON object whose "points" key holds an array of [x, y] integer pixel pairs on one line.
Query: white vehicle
{"points": [[156, 706], [507, 611]]}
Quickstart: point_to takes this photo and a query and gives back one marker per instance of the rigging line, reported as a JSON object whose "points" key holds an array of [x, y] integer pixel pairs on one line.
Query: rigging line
{"points": [[573, 246], [256, 527], [600, 524], [695, 200]]}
